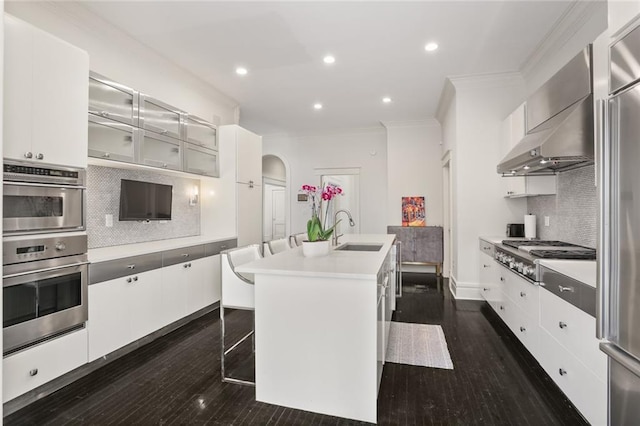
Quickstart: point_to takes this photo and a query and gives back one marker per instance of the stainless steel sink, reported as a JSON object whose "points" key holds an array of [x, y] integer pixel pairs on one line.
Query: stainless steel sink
{"points": [[359, 247]]}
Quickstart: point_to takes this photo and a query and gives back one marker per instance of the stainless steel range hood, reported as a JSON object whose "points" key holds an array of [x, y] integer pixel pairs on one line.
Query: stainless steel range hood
{"points": [[559, 124]]}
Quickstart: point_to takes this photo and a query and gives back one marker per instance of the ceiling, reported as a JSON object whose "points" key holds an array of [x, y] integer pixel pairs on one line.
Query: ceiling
{"points": [[378, 46]]}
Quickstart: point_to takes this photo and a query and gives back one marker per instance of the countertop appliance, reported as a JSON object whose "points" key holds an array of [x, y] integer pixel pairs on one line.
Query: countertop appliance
{"points": [[44, 287], [522, 256], [38, 198], [619, 263], [559, 123], [515, 230]]}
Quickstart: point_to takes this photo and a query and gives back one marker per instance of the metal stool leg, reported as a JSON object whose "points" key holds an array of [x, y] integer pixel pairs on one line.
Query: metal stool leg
{"points": [[224, 351]]}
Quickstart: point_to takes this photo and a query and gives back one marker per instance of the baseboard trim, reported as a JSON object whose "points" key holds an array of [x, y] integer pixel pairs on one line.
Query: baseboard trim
{"points": [[463, 290]]}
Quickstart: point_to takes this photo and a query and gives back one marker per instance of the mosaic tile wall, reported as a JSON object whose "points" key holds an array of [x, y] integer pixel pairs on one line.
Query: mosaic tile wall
{"points": [[573, 211], [103, 197]]}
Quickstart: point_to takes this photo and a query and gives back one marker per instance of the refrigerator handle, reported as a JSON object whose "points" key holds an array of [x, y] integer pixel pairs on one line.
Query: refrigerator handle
{"points": [[604, 156], [621, 357]]}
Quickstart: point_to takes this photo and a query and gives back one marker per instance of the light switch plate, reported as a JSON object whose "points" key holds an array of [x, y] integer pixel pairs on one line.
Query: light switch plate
{"points": [[108, 220], [546, 221]]}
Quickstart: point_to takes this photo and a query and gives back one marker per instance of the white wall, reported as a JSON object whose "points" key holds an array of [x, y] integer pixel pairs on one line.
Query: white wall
{"points": [[472, 128], [118, 56], [414, 168], [363, 148]]}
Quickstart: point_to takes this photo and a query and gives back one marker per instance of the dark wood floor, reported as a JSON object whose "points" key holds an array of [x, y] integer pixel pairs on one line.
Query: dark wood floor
{"points": [[176, 379]]}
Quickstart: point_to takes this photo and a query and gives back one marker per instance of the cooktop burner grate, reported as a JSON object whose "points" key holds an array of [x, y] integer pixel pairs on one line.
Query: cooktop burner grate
{"points": [[587, 254], [518, 243]]}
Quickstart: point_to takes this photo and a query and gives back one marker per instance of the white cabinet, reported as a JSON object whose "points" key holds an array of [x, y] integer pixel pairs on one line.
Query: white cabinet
{"points": [[42, 363], [203, 283], [247, 147], [45, 96], [123, 310], [513, 130], [488, 276]]}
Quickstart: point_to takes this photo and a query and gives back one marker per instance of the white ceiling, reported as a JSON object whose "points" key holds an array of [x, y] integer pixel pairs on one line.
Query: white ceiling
{"points": [[379, 50]]}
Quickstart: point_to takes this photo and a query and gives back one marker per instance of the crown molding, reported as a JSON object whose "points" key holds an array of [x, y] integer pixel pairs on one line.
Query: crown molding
{"points": [[500, 79], [571, 21], [427, 122]]}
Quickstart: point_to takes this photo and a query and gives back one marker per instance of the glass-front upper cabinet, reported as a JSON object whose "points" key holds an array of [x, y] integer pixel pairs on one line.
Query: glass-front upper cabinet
{"points": [[159, 117], [112, 100], [160, 151], [111, 140], [201, 161], [200, 132]]}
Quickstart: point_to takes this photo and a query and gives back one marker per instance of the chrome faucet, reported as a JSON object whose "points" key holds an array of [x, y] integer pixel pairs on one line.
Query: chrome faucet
{"points": [[334, 238]]}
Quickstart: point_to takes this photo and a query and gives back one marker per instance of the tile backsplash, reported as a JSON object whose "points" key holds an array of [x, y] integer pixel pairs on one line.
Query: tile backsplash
{"points": [[103, 197], [572, 212]]}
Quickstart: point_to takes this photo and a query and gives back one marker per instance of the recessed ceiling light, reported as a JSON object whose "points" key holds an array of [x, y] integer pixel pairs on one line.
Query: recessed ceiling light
{"points": [[241, 71], [386, 100], [317, 106], [329, 59], [430, 47]]}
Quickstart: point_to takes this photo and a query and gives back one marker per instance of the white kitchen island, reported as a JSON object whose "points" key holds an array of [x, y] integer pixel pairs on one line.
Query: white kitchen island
{"points": [[321, 327]]}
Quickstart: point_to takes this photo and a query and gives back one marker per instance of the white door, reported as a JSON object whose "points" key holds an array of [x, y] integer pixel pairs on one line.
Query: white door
{"points": [[277, 213]]}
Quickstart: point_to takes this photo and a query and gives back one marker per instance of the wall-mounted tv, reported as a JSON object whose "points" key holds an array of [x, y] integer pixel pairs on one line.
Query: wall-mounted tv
{"points": [[144, 201]]}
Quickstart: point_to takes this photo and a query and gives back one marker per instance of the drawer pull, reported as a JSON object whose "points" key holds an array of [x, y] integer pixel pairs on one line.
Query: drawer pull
{"points": [[185, 254], [28, 155], [40, 156], [522, 329], [33, 372], [129, 280], [132, 266], [485, 266], [562, 372], [502, 279], [501, 308], [523, 294], [486, 248], [485, 289], [135, 278], [562, 324], [563, 289]]}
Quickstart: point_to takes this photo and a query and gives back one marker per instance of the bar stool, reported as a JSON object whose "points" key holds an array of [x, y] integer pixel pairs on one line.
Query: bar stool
{"points": [[237, 293], [276, 246], [295, 240]]}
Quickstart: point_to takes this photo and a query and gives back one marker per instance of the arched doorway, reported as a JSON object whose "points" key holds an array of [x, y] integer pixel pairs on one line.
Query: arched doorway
{"points": [[275, 199]]}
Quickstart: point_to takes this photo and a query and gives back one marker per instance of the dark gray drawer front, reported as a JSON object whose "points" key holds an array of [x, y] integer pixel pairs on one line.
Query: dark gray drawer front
{"points": [[579, 294], [181, 255], [110, 270], [212, 249]]}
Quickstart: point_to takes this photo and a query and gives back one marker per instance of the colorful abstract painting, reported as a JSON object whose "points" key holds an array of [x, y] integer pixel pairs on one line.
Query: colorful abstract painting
{"points": [[413, 211]]}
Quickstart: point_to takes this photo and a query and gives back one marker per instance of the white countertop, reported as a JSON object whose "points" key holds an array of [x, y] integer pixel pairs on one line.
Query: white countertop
{"points": [[497, 240], [118, 252], [584, 271], [337, 264]]}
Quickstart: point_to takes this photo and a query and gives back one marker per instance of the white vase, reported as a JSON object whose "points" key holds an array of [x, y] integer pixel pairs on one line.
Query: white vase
{"points": [[315, 248]]}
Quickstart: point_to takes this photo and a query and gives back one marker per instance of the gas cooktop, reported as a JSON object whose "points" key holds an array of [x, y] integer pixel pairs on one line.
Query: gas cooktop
{"points": [[552, 249]]}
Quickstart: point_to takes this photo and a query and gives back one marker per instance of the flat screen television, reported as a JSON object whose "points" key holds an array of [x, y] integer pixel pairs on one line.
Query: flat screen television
{"points": [[144, 201]]}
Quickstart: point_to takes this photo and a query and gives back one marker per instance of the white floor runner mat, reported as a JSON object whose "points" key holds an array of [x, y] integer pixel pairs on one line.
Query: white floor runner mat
{"points": [[418, 344]]}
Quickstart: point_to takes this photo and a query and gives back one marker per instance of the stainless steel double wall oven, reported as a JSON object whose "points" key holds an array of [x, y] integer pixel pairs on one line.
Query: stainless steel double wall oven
{"points": [[44, 264]]}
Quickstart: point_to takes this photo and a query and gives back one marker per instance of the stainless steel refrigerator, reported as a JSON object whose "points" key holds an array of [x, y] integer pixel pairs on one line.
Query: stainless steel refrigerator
{"points": [[619, 245]]}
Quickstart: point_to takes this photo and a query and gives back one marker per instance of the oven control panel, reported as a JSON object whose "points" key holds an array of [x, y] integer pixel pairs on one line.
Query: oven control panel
{"points": [[30, 249], [15, 171]]}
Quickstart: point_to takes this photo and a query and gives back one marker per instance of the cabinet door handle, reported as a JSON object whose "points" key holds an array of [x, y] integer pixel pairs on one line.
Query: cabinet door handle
{"points": [[164, 132], [33, 372], [106, 155], [185, 254], [562, 371], [135, 278], [185, 266], [104, 113], [523, 294], [501, 308], [40, 156], [485, 266], [485, 289], [563, 289], [522, 329], [562, 324], [129, 280], [502, 279], [28, 154]]}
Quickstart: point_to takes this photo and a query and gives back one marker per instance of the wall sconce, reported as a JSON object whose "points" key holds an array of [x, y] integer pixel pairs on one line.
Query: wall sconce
{"points": [[193, 197]]}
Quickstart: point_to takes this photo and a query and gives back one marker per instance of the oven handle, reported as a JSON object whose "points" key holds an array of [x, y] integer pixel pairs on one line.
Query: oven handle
{"points": [[53, 268], [47, 185]]}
